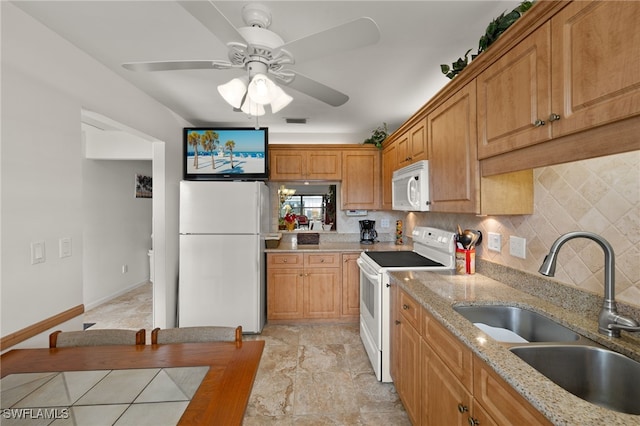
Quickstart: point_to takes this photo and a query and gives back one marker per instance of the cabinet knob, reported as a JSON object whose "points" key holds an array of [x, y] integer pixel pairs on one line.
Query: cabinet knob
{"points": [[473, 422], [538, 123], [397, 322], [462, 408], [405, 307], [321, 260], [284, 261], [554, 117]]}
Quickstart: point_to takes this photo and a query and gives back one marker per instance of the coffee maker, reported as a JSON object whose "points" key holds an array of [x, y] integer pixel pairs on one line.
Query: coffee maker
{"points": [[368, 232]]}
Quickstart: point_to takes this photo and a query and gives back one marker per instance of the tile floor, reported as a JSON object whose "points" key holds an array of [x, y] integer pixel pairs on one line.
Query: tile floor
{"points": [[308, 374]]}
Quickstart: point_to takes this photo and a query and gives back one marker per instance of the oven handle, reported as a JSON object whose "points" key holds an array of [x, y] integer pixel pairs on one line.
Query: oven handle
{"points": [[363, 268]]}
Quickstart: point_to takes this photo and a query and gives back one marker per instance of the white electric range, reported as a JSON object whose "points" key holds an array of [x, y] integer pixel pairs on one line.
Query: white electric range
{"points": [[433, 249]]}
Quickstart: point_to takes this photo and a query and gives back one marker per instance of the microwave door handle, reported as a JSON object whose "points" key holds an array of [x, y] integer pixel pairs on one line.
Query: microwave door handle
{"points": [[411, 191]]}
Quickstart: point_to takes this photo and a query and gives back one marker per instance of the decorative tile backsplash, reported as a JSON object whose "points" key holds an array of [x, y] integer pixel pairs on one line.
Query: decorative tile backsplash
{"points": [[600, 195]]}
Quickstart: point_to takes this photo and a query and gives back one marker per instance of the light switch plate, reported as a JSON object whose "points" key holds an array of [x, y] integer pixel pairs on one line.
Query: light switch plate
{"points": [[64, 247], [518, 247], [495, 241], [38, 254]]}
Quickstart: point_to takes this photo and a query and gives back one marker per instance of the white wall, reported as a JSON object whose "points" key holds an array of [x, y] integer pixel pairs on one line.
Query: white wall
{"points": [[117, 229], [46, 82]]}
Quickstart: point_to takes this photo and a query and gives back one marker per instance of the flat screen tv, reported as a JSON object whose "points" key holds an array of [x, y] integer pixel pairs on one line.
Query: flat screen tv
{"points": [[226, 153]]}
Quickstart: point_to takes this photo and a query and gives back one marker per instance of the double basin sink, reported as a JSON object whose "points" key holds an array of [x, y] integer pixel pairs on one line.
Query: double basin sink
{"points": [[578, 365]]}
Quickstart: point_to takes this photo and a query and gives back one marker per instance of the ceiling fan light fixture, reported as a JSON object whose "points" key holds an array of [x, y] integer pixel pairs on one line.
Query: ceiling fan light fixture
{"points": [[252, 108], [261, 89], [281, 100], [234, 91]]}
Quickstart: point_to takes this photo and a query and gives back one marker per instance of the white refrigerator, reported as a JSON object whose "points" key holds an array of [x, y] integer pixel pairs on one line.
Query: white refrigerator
{"points": [[222, 265]]}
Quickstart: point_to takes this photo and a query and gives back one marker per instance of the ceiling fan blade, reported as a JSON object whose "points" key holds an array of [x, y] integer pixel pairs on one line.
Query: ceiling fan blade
{"points": [[177, 65], [211, 17], [317, 90], [351, 35]]}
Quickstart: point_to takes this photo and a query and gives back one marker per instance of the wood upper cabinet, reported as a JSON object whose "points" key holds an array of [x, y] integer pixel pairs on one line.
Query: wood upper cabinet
{"points": [[389, 165], [360, 187], [577, 71], [514, 97], [288, 163], [453, 160], [303, 286], [595, 64], [350, 285], [412, 145]]}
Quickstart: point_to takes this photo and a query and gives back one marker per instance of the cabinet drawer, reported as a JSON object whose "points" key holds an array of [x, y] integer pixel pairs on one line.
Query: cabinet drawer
{"points": [[409, 309], [284, 260], [451, 351], [323, 260]]}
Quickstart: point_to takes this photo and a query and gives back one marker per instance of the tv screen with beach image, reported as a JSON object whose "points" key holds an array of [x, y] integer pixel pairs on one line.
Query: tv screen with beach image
{"points": [[225, 153]]}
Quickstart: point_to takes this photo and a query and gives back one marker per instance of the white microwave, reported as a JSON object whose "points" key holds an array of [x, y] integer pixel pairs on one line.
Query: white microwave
{"points": [[410, 188]]}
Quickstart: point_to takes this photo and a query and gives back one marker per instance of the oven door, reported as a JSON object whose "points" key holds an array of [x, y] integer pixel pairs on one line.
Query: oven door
{"points": [[370, 314]]}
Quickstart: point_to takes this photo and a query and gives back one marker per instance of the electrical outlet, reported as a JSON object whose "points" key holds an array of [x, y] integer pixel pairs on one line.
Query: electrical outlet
{"points": [[495, 242], [518, 247], [384, 223]]}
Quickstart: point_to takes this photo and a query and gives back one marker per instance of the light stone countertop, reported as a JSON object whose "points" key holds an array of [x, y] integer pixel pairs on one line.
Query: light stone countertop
{"points": [[438, 292], [355, 247]]}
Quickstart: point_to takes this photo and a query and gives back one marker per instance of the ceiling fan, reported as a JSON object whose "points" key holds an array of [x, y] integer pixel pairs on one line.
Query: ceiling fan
{"points": [[261, 52]]}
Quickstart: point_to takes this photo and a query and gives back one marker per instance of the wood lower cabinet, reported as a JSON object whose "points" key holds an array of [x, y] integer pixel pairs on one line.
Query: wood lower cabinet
{"points": [[440, 381], [304, 286], [500, 401], [350, 286], [408, 362]]}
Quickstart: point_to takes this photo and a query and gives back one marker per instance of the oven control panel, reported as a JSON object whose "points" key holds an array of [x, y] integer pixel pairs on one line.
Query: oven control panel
{"points": [[435, 238]]}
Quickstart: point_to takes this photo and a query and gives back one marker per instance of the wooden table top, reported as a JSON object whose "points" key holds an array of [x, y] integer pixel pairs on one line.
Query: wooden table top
{"points": [[221, 398]]}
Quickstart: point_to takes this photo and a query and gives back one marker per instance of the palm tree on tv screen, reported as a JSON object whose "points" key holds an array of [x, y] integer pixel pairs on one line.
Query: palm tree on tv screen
{"points": [[194, 140], [209, 143], [230, 145]]}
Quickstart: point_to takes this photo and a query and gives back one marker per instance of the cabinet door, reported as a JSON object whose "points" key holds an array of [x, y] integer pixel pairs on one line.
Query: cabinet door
{"points": [[286, 165], [323, 166], [454, 178], [596, 64], [444, 400], [500, 400], [360, 187], [410, 362], [404, 150], [513, 93], [389, 165], [322, 293], [350, 285], [285, 293], [418, 141]]}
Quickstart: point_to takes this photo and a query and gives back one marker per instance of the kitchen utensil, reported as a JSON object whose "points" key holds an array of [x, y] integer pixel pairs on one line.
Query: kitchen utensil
{"points": [[464, 238]]}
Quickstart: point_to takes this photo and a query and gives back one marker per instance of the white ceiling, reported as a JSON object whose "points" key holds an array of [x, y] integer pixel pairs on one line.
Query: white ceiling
{"points": [[386, 82]]}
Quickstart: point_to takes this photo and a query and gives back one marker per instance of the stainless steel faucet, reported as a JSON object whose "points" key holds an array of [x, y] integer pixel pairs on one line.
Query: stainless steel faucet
{"points": [[609, 321]]}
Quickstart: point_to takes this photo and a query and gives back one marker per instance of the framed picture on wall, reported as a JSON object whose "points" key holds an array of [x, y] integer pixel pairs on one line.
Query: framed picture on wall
{"points": [[144, 186]]}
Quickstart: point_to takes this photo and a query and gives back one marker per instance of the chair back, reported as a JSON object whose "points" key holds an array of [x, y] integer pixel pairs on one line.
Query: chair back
{"points": [[196, 335], [61, 339]]}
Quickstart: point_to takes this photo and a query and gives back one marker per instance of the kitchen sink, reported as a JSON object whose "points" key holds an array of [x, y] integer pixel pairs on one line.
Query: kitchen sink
{"points": [[597, 375], [530, 326]]}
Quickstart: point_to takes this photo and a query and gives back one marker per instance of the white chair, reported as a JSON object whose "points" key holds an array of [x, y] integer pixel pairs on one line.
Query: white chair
{"points": [[196, 335], [61, 339]]}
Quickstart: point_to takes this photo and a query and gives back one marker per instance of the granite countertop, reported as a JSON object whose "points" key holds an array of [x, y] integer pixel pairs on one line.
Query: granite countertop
{"points": [[355, 247], [438, 292]]}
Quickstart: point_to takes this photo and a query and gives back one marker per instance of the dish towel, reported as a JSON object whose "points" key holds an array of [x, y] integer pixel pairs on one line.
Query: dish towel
{"points": [[500, 334]]}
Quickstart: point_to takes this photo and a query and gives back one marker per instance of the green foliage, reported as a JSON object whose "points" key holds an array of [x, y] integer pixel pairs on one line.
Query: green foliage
{"points": [[495, 28], [378, 136]]}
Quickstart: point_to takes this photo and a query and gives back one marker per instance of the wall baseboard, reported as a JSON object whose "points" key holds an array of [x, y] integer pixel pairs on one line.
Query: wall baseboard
{"points": [[89, 306], [37, 328]]}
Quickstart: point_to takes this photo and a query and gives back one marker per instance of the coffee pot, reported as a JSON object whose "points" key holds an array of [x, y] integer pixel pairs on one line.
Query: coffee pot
{"points": [[368, 232]]}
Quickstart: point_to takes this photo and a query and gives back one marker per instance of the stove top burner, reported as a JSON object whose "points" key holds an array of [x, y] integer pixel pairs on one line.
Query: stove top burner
{"points": [[401, 259]]}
